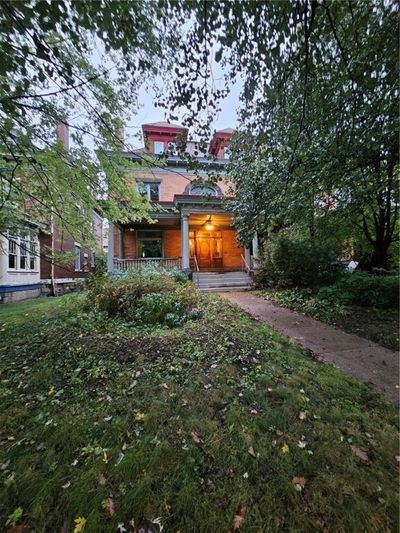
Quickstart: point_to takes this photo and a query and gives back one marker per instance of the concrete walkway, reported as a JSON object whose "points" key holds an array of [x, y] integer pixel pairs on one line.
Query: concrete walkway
{"points": [[361, 358]]}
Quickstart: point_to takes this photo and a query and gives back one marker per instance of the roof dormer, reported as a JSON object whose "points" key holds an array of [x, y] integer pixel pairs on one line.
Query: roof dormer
{"points": [[164, 137], [220, 143]]}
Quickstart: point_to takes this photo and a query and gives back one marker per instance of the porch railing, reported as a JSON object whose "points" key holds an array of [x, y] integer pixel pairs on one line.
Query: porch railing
{"points": [[132, 264]]}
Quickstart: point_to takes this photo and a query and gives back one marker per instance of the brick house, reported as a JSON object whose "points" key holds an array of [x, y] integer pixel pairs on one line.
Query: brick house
{"points": [[194, 231], [24, 270]]}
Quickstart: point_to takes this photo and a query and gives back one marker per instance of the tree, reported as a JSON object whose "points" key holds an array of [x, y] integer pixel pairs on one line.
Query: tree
{"points": [[319, 117], [80, 63]]}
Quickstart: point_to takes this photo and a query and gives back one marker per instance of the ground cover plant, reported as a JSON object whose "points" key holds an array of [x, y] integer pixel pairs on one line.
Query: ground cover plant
{"points": [[364, 304], [218, 424]]}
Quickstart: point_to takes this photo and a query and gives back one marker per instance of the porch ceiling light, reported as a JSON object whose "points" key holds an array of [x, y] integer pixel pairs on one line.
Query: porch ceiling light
{"points": [[208, 225]]}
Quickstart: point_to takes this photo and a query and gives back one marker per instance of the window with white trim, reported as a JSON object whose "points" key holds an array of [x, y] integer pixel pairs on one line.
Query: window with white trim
{"points": [[22, 252], [12, 253], [158, 147], [150, 190], [77, 262]]}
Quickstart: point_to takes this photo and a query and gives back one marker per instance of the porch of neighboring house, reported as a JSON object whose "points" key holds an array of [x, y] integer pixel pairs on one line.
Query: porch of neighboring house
{"points": [[195, 240]]}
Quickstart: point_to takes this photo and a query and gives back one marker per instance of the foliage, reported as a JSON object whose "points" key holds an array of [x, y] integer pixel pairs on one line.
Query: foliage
{"points": [[163, 425], [367, 290], [145, 296], [73, 62], [319, 135], [287, 263], [312, 303]]}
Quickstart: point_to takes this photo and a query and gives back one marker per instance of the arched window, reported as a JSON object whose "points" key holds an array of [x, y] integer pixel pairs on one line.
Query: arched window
{"points": [[203, 189]]}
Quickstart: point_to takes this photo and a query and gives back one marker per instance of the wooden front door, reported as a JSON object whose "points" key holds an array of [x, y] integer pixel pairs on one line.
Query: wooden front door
{"points": [[207, 247]]}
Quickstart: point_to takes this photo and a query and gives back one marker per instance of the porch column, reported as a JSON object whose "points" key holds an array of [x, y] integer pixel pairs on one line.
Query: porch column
{"points": [[185, 242], [255, 246], [110, 252], [120, 252]]}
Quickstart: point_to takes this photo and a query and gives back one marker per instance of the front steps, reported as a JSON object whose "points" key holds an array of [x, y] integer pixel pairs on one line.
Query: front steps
{"points": [[222, 281]]}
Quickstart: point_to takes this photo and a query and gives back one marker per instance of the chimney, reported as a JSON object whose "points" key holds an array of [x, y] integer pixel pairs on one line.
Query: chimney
{"points": [[63, 134]]}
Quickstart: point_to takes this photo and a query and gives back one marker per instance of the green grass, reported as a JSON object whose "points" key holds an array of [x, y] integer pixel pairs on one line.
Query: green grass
{"points": [[93, 412]]}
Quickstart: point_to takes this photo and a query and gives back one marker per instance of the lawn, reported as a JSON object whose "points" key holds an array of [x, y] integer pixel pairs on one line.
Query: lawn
{"points": [[218, 425]]}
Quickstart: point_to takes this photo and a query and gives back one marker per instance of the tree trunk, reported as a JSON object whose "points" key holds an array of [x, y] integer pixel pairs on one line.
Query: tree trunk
{"points": [[379, 258]]}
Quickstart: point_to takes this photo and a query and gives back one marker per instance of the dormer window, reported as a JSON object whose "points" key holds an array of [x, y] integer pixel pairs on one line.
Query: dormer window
{"points": [[227, 153], [172, 150], [158, 147]]}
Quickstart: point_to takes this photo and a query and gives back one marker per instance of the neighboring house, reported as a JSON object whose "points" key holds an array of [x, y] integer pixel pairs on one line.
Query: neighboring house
{"points": [[24, 270], [194, 231], [20, 265]]}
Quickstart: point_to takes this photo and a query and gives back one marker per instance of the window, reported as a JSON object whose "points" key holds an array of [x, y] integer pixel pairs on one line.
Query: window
{"points": [[158, 147], [12, 252], [151, 191], [32, 255], [22, 252], [203, 189], [77, 256], [150, 243], [227, 153]]}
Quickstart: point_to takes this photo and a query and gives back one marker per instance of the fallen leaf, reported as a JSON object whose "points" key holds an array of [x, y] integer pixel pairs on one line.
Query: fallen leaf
{"points": [[285, 448], [139, 417], [110, 509], [279, 433], [302, 415], [246, 475], [119, 458], [300, 481], [79, 524], [361, 453], [252, 452], [102, 480], [168, 507], [302, 444], [106, 458], [196, 437], [239, 519]]}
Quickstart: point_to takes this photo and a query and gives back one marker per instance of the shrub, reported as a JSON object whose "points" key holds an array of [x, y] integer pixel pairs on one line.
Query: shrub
{"points": [[145, 296], [288, 263], [367, 290]]}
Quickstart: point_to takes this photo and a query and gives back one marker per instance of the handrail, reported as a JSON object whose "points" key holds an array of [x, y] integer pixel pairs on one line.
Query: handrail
{"points": [[196, 265], [245, 265]]}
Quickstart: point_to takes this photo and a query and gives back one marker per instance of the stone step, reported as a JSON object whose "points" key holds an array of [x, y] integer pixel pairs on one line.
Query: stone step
{"points": [[239, 288], [224, 283]]}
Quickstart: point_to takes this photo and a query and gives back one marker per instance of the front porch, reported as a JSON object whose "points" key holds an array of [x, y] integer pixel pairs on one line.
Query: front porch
{"points": [[197, 240]]}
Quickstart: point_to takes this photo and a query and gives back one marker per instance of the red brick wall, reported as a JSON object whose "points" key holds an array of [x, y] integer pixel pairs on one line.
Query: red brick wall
{"points": [[172, 183], [172, 243], [63, 243]]}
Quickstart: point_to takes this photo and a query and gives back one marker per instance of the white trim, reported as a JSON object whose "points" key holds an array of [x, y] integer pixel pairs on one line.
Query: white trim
{"points": [[77, 256]]}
